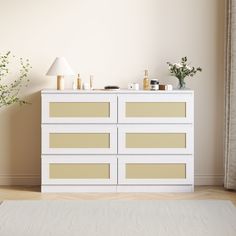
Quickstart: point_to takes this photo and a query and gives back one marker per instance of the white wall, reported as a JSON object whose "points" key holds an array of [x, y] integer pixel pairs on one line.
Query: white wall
{"points": [[115, 40]]}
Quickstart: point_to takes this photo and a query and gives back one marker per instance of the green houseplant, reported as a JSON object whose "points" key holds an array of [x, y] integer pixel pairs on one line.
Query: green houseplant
{"points": [[9, 90], [182, 70]]}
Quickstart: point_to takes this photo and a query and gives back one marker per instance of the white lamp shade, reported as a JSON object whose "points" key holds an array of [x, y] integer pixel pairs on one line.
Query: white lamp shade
{"points": [[60, 67]]}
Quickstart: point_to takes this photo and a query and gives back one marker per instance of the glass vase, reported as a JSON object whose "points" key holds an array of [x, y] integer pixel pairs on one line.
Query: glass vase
{"points": [[181, 84]]}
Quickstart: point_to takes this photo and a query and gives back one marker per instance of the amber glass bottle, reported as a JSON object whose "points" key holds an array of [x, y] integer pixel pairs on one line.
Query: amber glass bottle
{"points": [[145, 81], [79, 82]]}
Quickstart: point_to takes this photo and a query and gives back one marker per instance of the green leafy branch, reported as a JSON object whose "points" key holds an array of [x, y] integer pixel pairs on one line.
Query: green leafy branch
{"points": [[9, 92], [183, 69]]}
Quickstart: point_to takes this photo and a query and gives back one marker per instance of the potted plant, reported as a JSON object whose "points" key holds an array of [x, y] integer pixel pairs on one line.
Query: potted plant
{"points": [[182, 70], [9, 91]]}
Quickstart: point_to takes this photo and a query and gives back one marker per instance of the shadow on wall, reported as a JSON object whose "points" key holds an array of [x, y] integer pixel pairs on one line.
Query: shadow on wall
{"points": [[24, 142]]}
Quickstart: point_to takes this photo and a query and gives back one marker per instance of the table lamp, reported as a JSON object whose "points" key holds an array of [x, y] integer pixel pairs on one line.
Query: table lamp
{"points": [[60, 68]]}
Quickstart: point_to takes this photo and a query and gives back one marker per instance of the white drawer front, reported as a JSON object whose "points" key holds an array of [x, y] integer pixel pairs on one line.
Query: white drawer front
{"points": [[71, 170], [155, 139], [79, 139], [79, 108], [138, 170], [155, 108]]}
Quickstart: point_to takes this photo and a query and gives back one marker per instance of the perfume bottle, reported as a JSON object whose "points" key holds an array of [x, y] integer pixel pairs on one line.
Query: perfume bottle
{"points": [[79, 82], [145, 81]]}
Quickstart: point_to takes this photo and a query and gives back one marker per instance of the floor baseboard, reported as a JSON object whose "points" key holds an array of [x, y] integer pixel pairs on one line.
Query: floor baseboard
{"points": [[20, 180], [209, 179]]}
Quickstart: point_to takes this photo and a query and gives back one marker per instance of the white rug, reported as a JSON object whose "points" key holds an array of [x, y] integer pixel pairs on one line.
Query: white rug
{"points": [[117, 218]]}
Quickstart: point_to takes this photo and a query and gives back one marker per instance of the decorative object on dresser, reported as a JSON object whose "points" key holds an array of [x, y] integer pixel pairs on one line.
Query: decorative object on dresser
{"points": [[154, 84], [133, 86], [79, 82], [117, 141], [165, 87], [146, 85], [111, 87], [60, 68], [91, 79], [182, 70], [86, 86]]}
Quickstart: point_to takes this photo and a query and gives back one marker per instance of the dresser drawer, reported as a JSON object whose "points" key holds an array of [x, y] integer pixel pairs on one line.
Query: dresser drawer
{"points": [[79, 108], [155, 170], [160, 108], [79, 170], [155, 139], [79, 139]]}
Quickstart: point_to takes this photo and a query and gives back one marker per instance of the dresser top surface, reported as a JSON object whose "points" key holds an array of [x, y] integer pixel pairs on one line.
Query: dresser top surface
{"points": [[121, 91]]}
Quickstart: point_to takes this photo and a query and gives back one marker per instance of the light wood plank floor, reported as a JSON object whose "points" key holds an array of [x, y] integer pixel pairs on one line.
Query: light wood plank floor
{"points": [[33, 193]]}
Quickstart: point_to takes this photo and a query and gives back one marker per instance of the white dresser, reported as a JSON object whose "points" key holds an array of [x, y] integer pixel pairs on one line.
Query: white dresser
{"points": [[117, 141]]}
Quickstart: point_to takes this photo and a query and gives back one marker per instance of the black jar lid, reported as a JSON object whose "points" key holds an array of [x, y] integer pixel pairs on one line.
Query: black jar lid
{"points": [[154, 81]]}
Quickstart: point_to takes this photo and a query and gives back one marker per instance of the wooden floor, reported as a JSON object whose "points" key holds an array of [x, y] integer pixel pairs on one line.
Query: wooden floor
{"points": [[33, 193]]}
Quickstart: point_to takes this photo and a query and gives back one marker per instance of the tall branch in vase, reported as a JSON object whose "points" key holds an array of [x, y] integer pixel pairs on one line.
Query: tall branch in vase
{"points": [[10, 89]]}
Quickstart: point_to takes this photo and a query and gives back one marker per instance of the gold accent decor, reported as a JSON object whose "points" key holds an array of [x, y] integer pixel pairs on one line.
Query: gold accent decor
{"points": [[79, 82], [91, 81], [146, 85], [155, 171], [79, 109], [79, 171], [79, 140], [155, 140], [60, 82], [155, 109]]}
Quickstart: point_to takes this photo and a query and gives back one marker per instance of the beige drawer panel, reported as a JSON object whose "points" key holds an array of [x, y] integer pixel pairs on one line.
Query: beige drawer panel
{"points": [[156, 171], [155, 140], [65, 169], [79, 140], [79, 109], [79, 171], [161, 107], [155, 109]]}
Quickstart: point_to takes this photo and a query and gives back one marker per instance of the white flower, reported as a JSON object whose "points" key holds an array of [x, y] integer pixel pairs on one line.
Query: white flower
{"points": [[178, 65], [189, 67]]}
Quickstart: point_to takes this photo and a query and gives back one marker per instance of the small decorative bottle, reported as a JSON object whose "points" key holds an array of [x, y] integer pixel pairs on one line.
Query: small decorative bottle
{"points": [[145, 81], [74, 85], [79, 82], [91, 81]]}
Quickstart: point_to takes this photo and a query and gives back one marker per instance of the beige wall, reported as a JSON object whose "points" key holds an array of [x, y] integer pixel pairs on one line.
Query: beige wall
{"points": [[115, 40]]}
